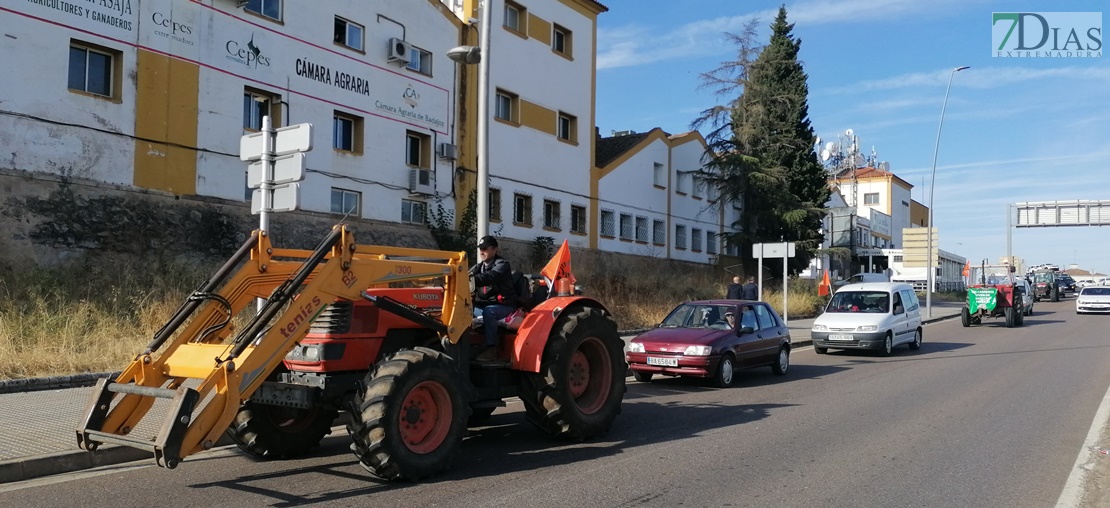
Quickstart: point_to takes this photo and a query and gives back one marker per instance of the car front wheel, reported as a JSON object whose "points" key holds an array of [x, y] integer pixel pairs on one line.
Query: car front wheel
{"points": [[725, 370]]}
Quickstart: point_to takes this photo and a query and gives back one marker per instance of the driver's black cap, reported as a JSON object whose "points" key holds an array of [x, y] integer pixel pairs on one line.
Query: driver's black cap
{"points": [[487, 241]]}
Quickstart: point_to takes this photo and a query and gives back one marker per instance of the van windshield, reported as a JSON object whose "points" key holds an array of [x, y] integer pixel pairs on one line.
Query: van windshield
{"points": [[860, 301]]}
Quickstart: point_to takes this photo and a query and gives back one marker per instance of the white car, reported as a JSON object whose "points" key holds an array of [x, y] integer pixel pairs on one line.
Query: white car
{"points": [[872, 315], [1093, 299], [1026, 296]]}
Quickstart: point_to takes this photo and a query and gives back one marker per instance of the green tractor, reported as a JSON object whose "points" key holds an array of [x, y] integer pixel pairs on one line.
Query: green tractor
{"points": [[992, 292]]}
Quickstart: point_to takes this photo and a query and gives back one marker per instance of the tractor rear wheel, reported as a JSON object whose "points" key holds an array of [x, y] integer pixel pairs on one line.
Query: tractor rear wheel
{"points": [[578, 391], [409, 417], [965, 317], [1010, 318], [1055, 294], [265, 431], [1019, 312]]}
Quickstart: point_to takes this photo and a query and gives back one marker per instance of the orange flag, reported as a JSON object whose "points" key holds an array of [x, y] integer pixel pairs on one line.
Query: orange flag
{"points": [[825, 286], [967, 269], [558, 267]]}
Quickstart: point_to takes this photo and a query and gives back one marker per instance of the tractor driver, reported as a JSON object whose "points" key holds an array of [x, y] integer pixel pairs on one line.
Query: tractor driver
{"points": [[493, 293]]}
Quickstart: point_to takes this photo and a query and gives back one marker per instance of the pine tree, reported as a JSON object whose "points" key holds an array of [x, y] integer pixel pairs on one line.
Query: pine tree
{"points": [[761, 144]]}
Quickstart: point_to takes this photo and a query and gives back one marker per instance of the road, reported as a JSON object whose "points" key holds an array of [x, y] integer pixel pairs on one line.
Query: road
{"points": [[985, 416]]}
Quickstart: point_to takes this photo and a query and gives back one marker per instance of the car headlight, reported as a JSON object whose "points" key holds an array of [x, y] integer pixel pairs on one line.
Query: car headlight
{"points": [[867, 328], [698, 351], [1081, 302], [820, 328], [635, 347]]}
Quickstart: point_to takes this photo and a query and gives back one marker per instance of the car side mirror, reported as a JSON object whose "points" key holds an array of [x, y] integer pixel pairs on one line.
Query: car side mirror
{"points": [[744, 330]]}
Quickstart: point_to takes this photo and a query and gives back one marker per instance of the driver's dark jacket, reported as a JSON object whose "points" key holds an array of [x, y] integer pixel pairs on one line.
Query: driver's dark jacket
{"points": [[493, 282]]}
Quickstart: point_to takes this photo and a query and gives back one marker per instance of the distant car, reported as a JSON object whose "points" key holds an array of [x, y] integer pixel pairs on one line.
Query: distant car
{"points": [[1026, 298], [1093, 299], [701, 339], [869, 316], [1067, 284]]}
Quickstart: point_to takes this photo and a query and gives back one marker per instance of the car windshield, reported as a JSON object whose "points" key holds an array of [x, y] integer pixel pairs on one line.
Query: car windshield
{"points": [[1095, 292], [690, 315], [860, 301]]}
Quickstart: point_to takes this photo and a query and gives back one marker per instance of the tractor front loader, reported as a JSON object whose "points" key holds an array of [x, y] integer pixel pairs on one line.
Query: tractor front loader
{"points": [[197, 342], [334, 335]]}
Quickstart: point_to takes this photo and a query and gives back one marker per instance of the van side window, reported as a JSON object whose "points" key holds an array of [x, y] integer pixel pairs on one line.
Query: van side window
{"points": [[897, 302], [910, 299]]}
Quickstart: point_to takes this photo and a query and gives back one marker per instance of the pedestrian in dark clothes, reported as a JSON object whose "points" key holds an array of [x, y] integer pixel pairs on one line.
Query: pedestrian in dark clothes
{"points": [[735, 289], [750, 290]]}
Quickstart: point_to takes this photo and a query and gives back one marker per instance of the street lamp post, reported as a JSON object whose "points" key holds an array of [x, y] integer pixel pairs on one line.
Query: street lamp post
{"points": [[930, 276], [480, 56]]}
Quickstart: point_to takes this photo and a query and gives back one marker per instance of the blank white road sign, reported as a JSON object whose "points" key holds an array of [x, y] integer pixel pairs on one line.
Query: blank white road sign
{"points": [[286, 198], [287, 140], [287, 168]]}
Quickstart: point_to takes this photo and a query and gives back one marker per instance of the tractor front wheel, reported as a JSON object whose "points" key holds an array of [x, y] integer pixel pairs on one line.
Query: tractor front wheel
{"points": [[275, 432], [409, 417], [578, 391]]}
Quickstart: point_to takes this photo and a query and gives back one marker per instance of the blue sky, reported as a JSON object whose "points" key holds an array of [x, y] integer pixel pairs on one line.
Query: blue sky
{"points": [[1015, 129]]}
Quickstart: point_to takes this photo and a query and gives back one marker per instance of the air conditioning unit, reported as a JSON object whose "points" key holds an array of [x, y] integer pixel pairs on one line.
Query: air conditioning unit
{"points": [[420, 182], [448, 151], [399, 51]]}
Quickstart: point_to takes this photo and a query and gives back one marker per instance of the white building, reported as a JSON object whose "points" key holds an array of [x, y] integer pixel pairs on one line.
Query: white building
{"points": [[653, 203], [158, 92]]}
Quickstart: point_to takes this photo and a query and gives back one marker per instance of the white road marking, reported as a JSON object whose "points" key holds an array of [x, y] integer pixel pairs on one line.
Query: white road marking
{"points": [[1072, 494]]}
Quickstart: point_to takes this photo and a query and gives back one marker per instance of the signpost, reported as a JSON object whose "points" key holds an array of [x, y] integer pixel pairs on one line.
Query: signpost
{"points": [[277, 163], [784, 250]]}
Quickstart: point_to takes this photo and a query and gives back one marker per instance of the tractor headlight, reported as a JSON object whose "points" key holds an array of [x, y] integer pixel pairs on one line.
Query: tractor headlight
{"points": [[867, 328], [698, 351], [635, 347]]}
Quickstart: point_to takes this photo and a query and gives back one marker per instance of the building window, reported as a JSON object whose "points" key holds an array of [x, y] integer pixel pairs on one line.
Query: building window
{"points": [[641, 229], [347, 132], [695, 240], [698, 188], [522, 210], [346, 202], [710, 242], [92, 70], [420, 61], [418, 149], [348, 33], [495, 205], [506, 106], [268, 8], [896, 259], [871, 198], [626, 226], [659, 175], [561, 40], [732, 249], [515, 14], [658, 232], [414, 212], [257, 104], [577, 219], [608, 228], [551, 211], [679, 236], [568, 127], [683, 185]]}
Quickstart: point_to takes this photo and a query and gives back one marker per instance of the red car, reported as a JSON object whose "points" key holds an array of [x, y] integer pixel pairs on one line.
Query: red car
{"points": [[705, 339]]}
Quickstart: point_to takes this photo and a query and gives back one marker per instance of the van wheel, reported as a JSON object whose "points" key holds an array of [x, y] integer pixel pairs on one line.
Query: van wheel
{"points": [[916, 344], [888, 345]]}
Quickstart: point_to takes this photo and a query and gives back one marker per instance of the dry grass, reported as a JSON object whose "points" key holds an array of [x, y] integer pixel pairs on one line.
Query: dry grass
{"points": [[83, 318], [97, 318]]}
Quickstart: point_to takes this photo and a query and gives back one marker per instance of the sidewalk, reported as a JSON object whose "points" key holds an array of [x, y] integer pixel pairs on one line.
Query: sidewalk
{"points": [[38, 429]]}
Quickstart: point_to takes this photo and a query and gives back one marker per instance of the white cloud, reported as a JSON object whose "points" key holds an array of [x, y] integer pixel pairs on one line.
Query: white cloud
{"points": [[980, 78]]}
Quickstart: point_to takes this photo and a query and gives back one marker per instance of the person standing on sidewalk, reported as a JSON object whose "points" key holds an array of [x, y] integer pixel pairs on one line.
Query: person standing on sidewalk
{"points": [[750, 290], [735, 290]]}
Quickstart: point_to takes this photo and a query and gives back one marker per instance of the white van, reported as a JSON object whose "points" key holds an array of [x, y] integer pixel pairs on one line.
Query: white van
{"points": [[871, 315]]}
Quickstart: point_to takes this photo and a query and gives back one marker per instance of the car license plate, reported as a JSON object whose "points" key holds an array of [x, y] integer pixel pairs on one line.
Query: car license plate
{"points": [[840, 336], [663, 362]]}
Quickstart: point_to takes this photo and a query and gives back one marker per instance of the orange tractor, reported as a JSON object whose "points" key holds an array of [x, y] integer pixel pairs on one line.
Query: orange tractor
{"points": [[334, 336]]}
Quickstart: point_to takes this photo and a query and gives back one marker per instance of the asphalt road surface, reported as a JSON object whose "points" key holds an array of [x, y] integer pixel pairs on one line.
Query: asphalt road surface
{"points": [[983, 416]]}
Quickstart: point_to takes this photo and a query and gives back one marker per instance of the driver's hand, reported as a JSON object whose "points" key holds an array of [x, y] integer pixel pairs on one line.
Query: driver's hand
{"points": [[472, 284]]}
